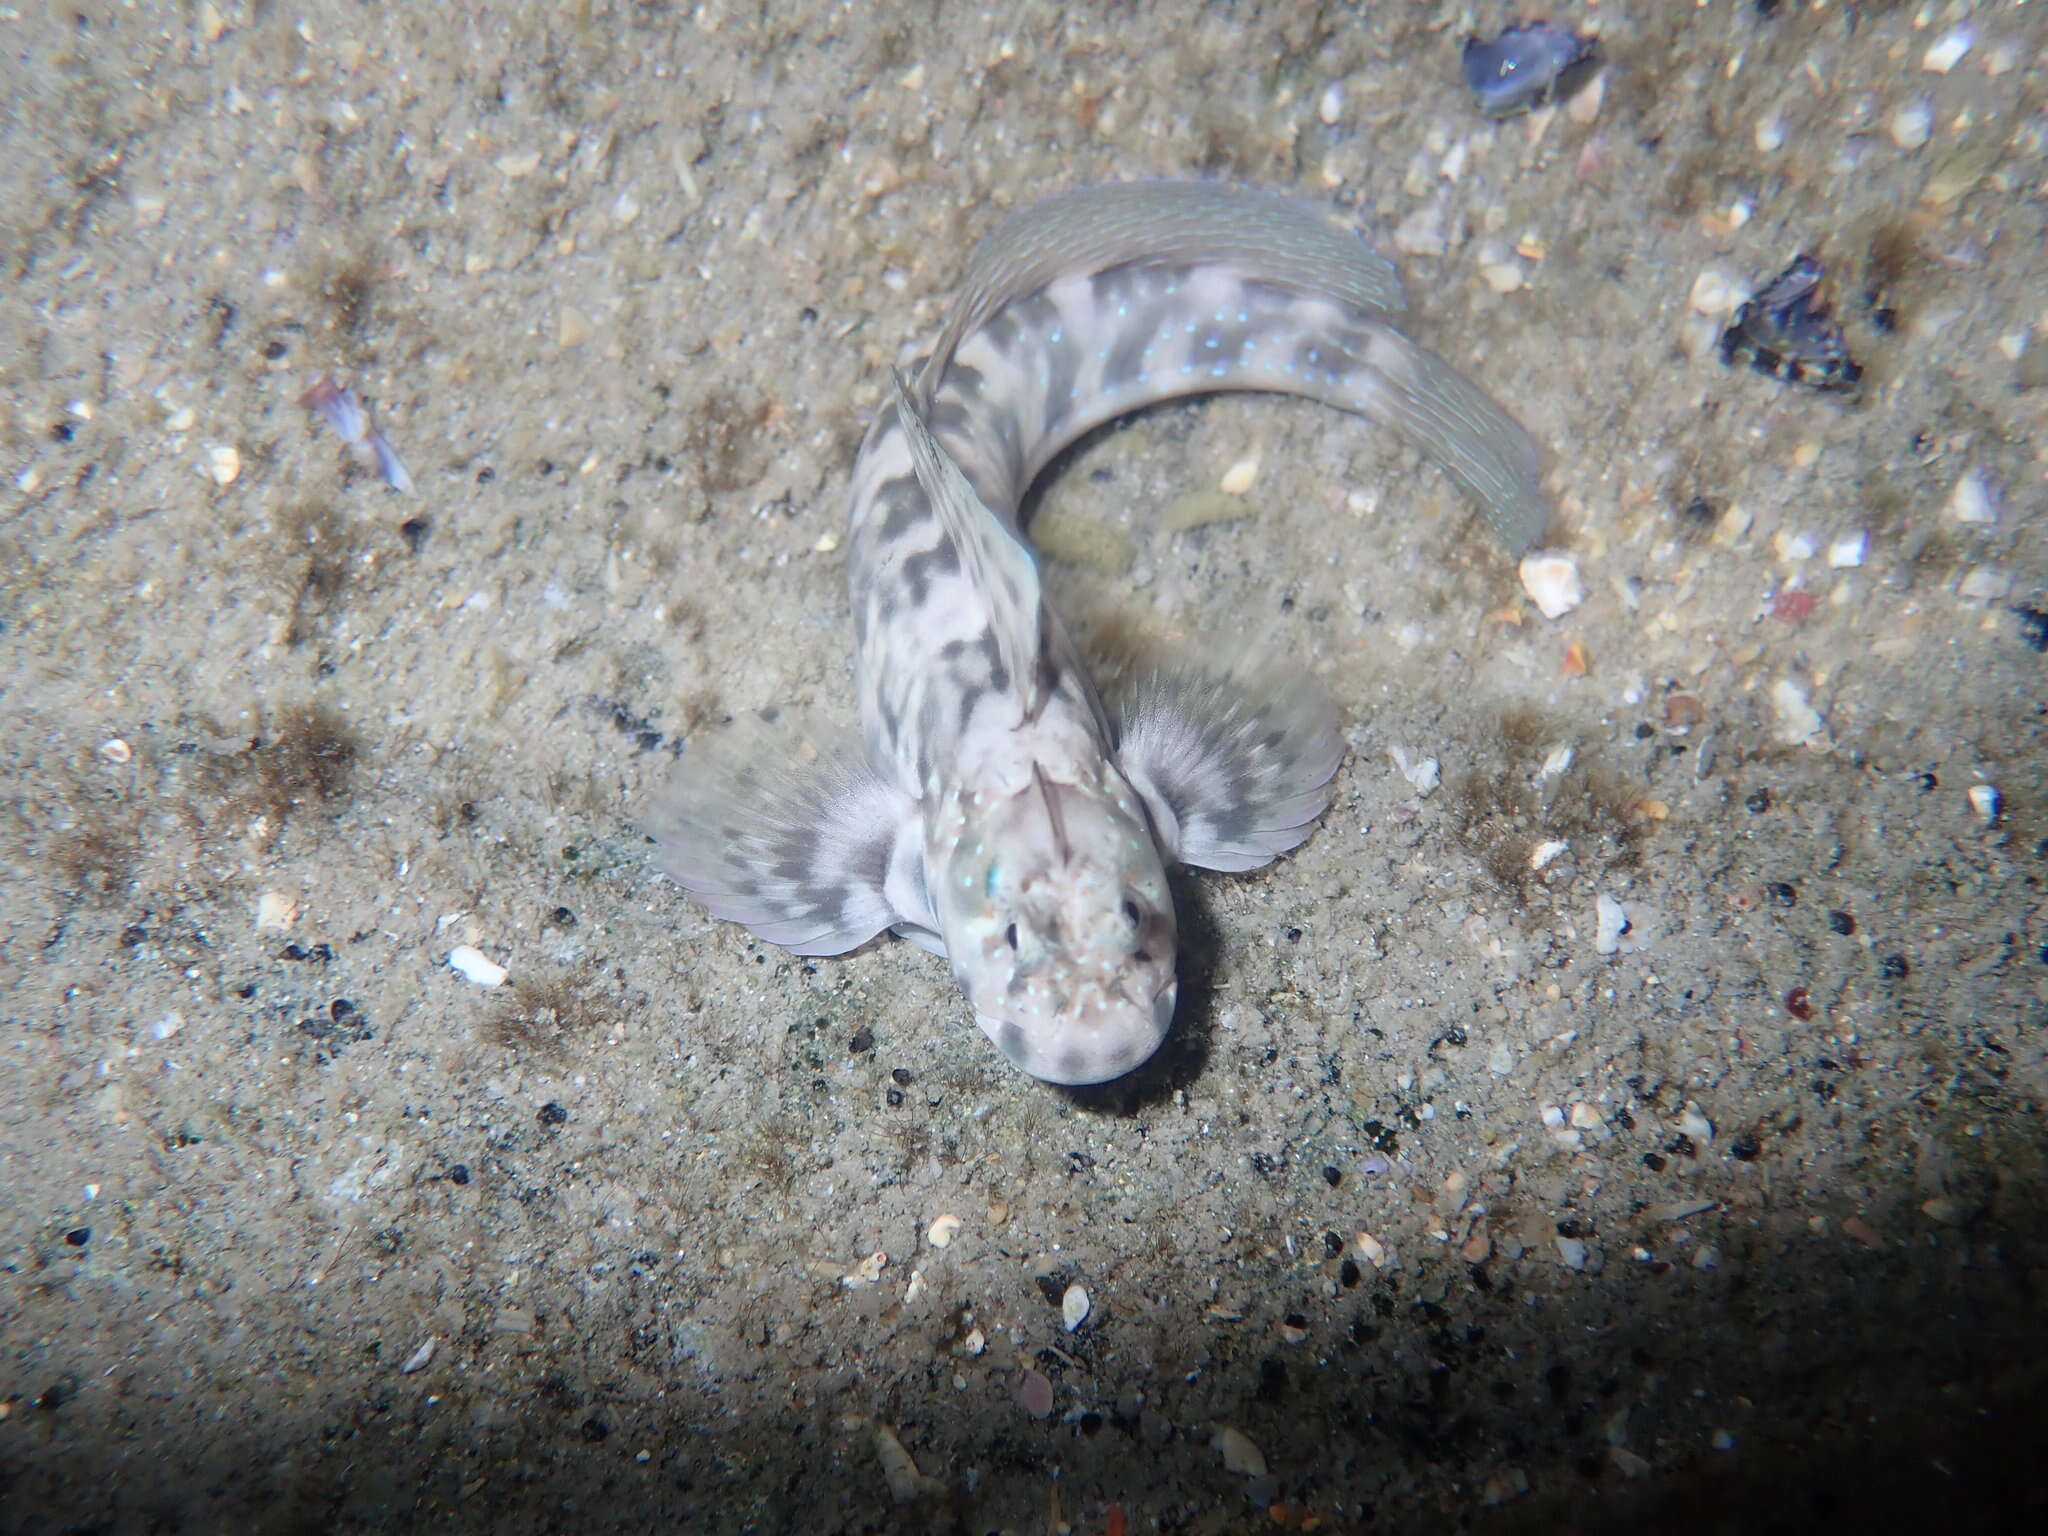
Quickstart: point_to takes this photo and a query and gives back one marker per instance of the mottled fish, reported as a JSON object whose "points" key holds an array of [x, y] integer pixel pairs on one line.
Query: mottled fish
{"points": [[993, 808]]}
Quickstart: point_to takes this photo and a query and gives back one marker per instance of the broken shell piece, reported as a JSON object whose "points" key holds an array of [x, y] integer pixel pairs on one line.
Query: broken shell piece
{"points": [[1947, 51], [1423, 774], [1986, 801], [1073, 1308], [115, 750], [1552, 582], [1611, 920], [1848, 552], [472, 964], [1798, 721], [1972, 501], [866, 1272], [223, 463], [1238, 1453], [943, 1230], [1543, 853], [899, 1469]]}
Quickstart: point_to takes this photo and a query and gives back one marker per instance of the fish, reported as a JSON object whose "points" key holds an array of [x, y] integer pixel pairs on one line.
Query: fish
{"points": [[993, 807]]}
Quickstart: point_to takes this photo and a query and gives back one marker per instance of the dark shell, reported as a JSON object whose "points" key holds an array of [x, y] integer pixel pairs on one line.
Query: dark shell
{"points": [[1526, 64], [1786, 331]]}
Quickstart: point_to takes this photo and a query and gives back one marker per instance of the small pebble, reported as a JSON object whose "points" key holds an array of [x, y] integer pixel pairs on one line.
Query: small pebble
{"points": [[1330, 105], [1033, 1394], [1770, 133], [1913, 124], [1571, 1252], [1986, 801], [1073, 1308], [899, 1468], [1985, 584], [1552, 582], [418, 1360], [1239, 477], [943, 1230], [472, 964], [1371, 1249], [223, 463], [116, 751]]}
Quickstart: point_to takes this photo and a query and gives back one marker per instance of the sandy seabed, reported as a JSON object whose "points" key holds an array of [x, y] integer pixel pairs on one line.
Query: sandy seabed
{"points": [[1432, 1216]]}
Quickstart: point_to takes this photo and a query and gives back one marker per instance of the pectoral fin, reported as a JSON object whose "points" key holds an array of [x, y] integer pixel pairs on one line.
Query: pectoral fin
{"points": [[791, 833], [1234, 769]]}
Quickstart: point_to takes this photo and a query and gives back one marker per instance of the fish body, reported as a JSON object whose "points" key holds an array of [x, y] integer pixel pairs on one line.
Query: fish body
{"points": [[994, 807]]}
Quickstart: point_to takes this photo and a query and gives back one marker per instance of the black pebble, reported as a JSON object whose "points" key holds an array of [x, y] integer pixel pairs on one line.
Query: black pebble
{"points": [[894, 1097], [902, 1077], [1894, 968], [459, 1174], [1333, 1176], [552, 1113], [78, 1237], [595, 1430], [1759, 800], [1653, 1162], [414, 532], [1745, 1149], [1783, 893], [340, 1009], [2033, 627], [863, 1041], [1841, 922]]}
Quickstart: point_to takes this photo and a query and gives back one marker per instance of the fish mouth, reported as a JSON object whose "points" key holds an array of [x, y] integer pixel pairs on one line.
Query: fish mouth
{"points": [[1099, 1040]]}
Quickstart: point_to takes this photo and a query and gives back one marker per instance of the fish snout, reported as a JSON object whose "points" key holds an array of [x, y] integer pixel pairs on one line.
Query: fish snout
{"points": [[1098, 1033]]}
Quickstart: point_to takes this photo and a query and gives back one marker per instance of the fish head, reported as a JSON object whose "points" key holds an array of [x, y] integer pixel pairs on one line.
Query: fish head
{"points": [[1053, 905]]}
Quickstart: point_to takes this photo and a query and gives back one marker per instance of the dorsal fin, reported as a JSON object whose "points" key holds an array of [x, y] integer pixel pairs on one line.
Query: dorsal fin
{"points": [[996, 562]]}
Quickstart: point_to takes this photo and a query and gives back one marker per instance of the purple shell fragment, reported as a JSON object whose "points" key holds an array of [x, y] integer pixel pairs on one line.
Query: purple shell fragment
{"points": [[1526, 64]]}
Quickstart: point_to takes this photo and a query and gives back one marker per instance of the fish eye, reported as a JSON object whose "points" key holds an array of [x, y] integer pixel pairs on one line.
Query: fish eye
{"points": [[1010, 933]]}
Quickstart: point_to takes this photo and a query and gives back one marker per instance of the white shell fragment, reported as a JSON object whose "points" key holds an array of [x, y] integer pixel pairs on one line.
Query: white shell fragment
{"points": [[867, 1271], [1422, 773], [116, 751], [1971, 501], [1544, 852], [223, 463], [1695, 1124], [1073, 1308], [472, 964], [1986, 801], [1798, 721], [1913, 124], [943, 1230], [1552, 582], [1714, 293], [899, 1469], [1611, 920], [275, 912], [1848, 552], [1946, 51], [1238, 1453], [418, 1360]]}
